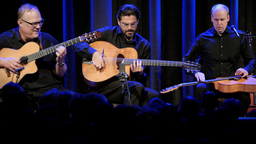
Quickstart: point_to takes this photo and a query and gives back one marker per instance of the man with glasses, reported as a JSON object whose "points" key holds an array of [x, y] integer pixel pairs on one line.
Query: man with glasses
{"points": [[51, 68], [122, 36], [40, 23]]}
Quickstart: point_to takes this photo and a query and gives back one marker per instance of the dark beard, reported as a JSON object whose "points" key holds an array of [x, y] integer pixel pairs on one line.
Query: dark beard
{"points": [[129, 37]]}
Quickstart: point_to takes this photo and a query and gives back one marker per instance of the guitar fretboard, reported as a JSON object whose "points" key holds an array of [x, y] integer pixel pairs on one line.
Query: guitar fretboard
{"points": [[155, 62], [197, 82], [52, 49]]}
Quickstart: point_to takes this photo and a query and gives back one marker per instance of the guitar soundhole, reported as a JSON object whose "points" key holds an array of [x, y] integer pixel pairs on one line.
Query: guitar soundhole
{"points": [[119, 60]]}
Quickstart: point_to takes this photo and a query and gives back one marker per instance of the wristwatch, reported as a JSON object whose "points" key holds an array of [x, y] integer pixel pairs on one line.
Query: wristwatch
{"points": [[61, 64]]}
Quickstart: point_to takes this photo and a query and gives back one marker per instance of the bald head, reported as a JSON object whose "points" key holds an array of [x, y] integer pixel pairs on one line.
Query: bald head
{"points": [[220, 18], [219, 7]]}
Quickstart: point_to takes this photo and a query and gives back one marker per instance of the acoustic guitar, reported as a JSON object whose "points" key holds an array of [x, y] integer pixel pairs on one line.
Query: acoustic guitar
{"points": [[113, 57], [223, 84], [29, 52]]}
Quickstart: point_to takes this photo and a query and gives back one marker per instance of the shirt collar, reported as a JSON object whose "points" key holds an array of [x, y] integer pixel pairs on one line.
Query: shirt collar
{"points": [[118, 32], [17, 32], [19, 36], [214, 32]]}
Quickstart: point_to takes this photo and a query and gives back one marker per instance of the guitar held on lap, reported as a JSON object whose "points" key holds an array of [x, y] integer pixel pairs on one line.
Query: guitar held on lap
{"points": [[113, 56], [30, 52], [223, 84]]}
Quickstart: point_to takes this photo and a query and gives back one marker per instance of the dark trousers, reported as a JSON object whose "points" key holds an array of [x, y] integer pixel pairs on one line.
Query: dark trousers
{"points": [[243, 97], [139, 94]]}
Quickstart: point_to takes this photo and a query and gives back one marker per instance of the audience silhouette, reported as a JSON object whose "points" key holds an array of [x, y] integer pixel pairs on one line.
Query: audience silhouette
{"points": [[16, 116], [90, 118]]}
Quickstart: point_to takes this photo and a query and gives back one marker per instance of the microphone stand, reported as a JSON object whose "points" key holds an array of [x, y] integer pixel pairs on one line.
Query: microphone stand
{"points": [[18, 73], [123, 76]]}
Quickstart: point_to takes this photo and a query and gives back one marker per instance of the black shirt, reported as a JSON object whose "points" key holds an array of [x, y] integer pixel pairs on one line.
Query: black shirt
{"points": [[113, 35], [220, 55], [39, 82]]}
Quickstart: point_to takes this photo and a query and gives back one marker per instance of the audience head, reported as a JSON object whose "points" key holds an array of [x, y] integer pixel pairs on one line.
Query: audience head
{"points": [[166, 111], [49, 97], [209, 100], [84, 106], [234, 106], [10, 87], [252, 113], [14, 96], [148, 122], [189, 106], [62, 102]]}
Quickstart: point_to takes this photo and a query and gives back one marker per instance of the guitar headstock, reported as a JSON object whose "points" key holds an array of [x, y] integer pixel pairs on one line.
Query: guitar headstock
{"points": [[169, 89], [89, 37], [191, 66]]}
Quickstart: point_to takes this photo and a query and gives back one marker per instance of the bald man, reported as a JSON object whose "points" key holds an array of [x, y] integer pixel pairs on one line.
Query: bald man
{"points": [[218, 51]]}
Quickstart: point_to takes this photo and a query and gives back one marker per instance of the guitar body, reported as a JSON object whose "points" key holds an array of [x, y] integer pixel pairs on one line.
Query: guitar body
{"points": [[241, 85], [95, 77], [113, 56], [6, 75], [30, 52]]}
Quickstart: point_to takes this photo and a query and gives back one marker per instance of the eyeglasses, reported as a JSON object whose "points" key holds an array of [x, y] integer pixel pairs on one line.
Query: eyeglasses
{"points": [[127, 25], [35, 23]]}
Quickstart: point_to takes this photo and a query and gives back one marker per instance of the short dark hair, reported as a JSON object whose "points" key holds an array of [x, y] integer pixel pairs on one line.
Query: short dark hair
{"points": [[127, 10]]}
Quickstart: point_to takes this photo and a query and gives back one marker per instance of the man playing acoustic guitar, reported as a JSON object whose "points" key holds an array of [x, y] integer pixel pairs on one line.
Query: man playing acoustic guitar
{"points": [[220, 49], [117, 39], [51, 68]]}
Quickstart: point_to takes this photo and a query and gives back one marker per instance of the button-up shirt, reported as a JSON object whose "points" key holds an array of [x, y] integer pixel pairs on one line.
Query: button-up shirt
{"points": [[220, 56], [43, 79], [113, 35]]}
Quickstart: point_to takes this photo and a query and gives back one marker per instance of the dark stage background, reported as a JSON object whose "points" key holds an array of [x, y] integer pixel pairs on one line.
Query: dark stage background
{"points": [[170, 26]]}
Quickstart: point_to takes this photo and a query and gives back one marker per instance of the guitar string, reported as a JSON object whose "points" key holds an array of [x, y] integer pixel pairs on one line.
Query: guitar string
{"points": [[44, 52]]}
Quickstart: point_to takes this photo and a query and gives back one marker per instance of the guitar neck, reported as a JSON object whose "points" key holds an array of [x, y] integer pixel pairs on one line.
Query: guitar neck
{"points": [[147, 62], [52, 49], [196, 82], [209, 81]]}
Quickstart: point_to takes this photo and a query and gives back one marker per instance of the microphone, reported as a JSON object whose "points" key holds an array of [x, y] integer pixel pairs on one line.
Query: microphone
{"points": [[234, 29], [19, 69]]}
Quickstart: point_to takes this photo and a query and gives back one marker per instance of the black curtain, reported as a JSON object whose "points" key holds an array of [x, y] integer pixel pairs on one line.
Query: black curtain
{"points": [[171, 30]]}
